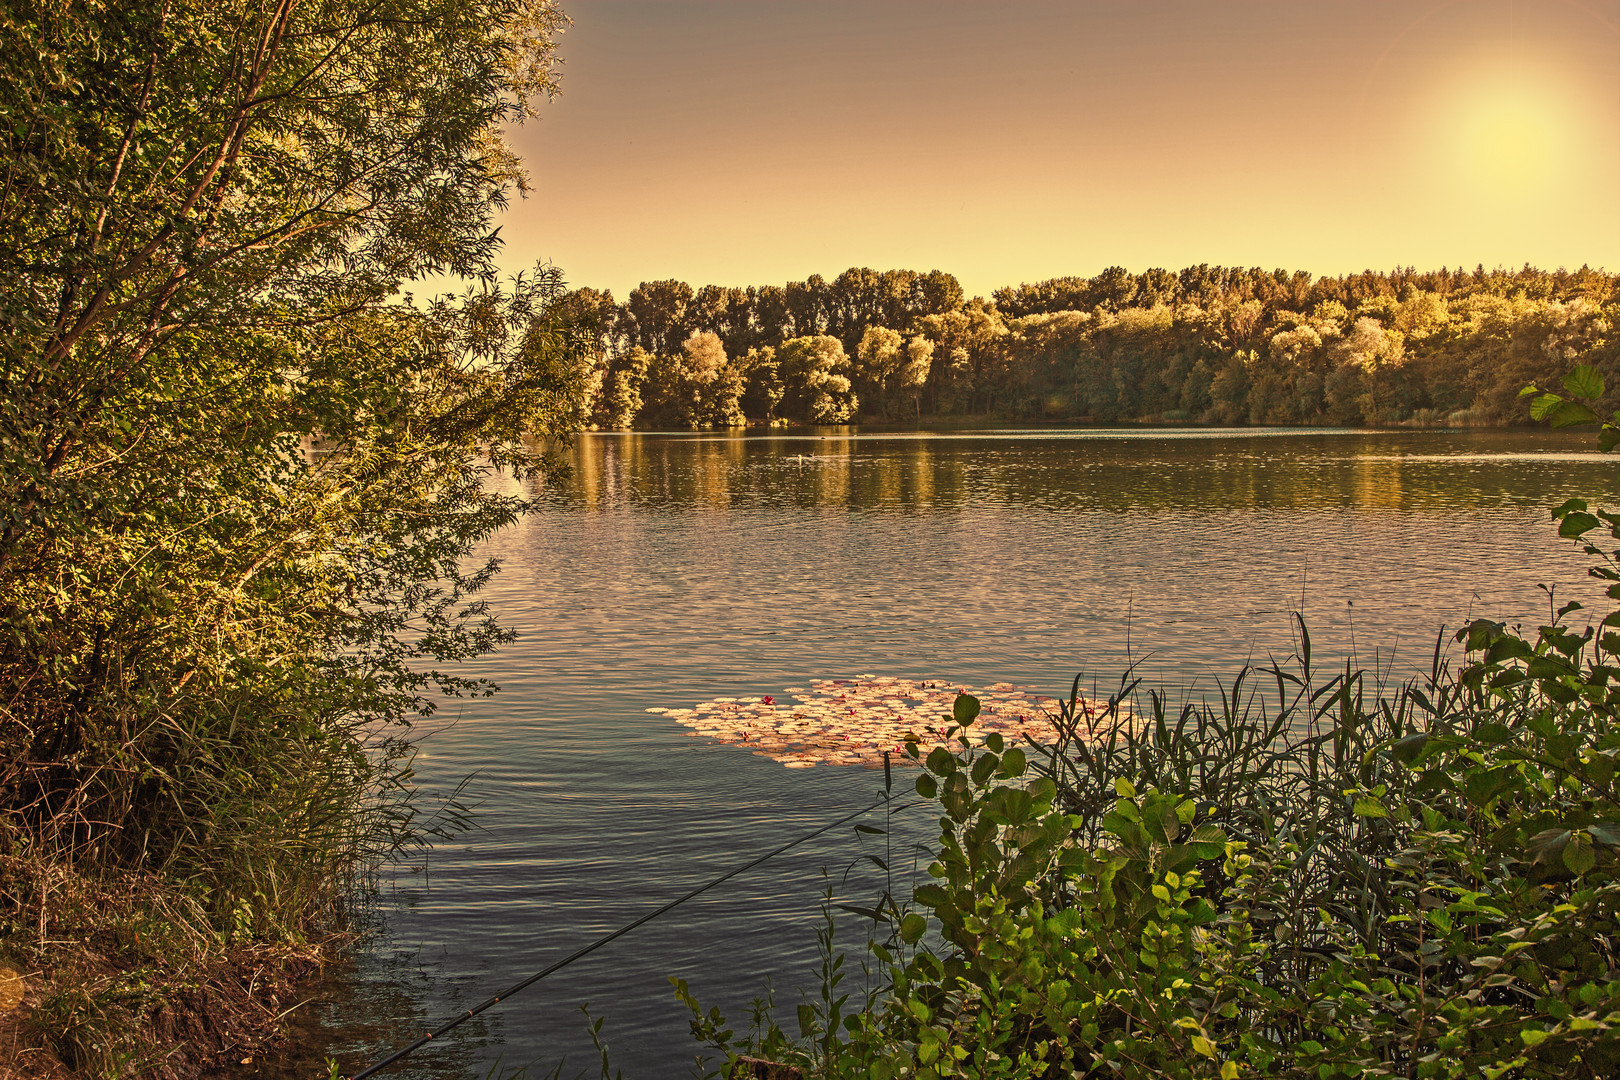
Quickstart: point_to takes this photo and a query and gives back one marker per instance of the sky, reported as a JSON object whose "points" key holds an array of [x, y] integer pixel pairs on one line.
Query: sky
{"points": [[739, 142]]}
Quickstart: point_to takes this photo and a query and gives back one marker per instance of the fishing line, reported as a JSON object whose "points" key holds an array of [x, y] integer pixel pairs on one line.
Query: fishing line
{"points": [[601, 941]]}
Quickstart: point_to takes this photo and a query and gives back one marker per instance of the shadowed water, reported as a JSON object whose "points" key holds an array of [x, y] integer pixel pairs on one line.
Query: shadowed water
{"points": [[675, 568]]}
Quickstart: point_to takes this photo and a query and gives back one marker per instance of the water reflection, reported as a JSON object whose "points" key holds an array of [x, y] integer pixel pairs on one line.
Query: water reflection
{"points": [[1119, 471]]}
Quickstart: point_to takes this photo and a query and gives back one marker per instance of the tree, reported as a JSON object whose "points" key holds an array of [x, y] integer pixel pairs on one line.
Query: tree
{"points": [[762, 383], [696, 387], [815, 380], [881, 359], [658, 310], [914, 373], [620, 399], [240, 476], [715, 384]]}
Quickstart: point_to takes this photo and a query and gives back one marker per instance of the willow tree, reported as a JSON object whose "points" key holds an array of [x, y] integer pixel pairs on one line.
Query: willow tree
{"points": [[240, 470]]}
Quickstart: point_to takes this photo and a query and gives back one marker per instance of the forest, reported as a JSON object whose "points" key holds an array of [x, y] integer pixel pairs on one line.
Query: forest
{"points": [[1206, 344]]}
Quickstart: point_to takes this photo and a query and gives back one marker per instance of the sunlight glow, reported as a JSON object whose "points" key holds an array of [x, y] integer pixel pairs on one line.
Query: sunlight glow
{"points": [[1512, 143]]}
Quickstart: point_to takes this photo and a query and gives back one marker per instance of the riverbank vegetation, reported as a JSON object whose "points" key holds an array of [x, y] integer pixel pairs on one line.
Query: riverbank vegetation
{"points": [[240, 478], [1206, 344], [1312, 875]]}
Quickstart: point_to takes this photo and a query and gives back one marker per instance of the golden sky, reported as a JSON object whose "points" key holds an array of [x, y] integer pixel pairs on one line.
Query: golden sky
{"points": [[742, 142]]}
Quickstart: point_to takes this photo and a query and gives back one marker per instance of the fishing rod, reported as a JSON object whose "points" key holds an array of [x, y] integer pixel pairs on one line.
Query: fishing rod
{"points": [[603, 940]]}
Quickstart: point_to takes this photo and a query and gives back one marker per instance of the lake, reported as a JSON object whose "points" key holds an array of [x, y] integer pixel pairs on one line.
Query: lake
{"points": [[672, 569]]}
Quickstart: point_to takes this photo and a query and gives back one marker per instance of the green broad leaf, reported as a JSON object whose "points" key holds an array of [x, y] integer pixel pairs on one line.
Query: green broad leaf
{"points": [[1608, 438], [927, 786], [1124, 788], [912, 928], [1543, 406], [1013, 764], [1409, 749], [1368, 807], [1567, 505], [994, 742], [1067, 923], [1576, 524], [1562, 745], [1530, 390], [1571, 413], [1483, 785], [1533, 1036], [983, 768], [931, 896], [1508, 647], [1547, 844], [1186, 810], [1578, 854], [1584, 382], [1493, 734], [1606, 832], [966, 709], [1124, 828], [1208, 834], [941, 762]]}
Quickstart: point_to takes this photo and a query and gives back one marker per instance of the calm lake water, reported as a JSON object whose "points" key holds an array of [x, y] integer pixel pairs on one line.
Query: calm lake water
{"points": [[676, 568]]}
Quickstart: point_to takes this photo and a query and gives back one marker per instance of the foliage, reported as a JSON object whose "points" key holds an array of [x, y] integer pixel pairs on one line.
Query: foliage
{"points": [[240, 473], [1209, 344], [1322, 877], [815, 380]]}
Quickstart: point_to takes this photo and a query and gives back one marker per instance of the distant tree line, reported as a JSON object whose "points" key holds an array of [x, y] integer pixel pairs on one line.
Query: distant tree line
{"points": [[1209, 344]]}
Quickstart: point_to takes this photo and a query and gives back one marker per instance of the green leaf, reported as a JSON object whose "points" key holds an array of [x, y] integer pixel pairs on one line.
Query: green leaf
{"points": [[941, 762], [1408, 750], [1369, 807], [1576, 523], [1124, 788], [1578, 854], [965, 709], [1543, 406], [1584, 382], [927, 786], [1607, 832], [912, 928], [1571, 413], [1013, 764], [983, 768], [1533, 1036], [1547, 843]]}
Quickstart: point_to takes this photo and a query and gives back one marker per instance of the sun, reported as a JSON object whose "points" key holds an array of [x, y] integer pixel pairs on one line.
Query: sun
{"points": [[1510, 143]]}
